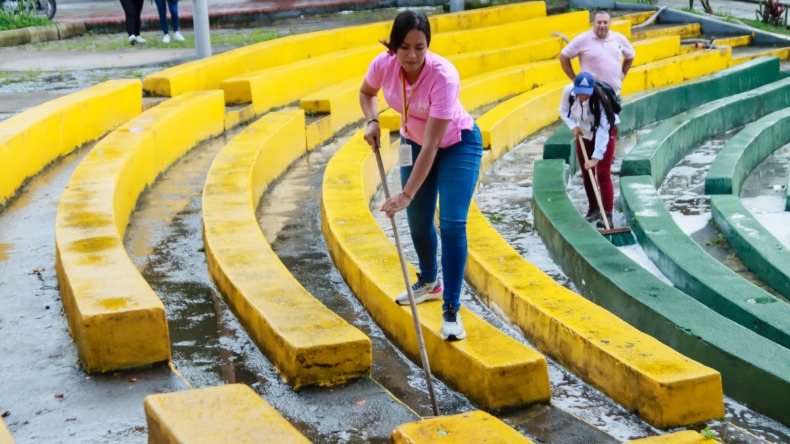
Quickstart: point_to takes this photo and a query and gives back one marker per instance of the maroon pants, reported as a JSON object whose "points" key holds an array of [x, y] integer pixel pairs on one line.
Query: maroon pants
{"points": [[603, 171]]}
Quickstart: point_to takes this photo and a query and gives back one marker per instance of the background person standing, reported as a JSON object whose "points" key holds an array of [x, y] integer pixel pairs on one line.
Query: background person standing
{"points": [[173, 6], [600, 52], [133, 9]]}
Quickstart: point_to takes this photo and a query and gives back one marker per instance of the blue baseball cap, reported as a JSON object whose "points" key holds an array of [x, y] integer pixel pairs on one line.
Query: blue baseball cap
{"points": [[583, 83]]}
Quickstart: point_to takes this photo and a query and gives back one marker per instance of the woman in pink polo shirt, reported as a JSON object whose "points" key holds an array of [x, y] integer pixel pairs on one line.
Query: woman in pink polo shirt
{"points": [[445, 147]]}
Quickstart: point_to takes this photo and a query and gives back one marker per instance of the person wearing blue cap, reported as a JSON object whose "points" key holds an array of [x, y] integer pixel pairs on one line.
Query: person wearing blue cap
{"points": [[589, 113]]}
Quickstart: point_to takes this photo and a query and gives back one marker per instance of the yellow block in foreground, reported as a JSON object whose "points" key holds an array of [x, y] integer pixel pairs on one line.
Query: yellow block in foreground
{"points": [[492, 369], [29, 141], [225, 414], [5, 435], [684, 437], [307, 342], [464, 428], [115, 318]]}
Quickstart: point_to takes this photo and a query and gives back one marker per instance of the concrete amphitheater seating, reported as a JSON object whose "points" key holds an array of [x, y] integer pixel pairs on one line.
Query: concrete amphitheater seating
{"points": [[314, 347], [761, 252], [115, 318], [684, 262], [611, 279]]}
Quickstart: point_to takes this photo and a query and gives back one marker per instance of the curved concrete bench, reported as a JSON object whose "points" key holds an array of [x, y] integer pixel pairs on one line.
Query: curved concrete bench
{"points": [[29, 141], [225, 414], [745, 150], [115, 318], [664, 387], [761, 252], [692, 270], [492, 369], [690, 30], [314, 347], [754, 369], [209, 72], [281, 85], [664, 146], [464, 428], [653, 106]]}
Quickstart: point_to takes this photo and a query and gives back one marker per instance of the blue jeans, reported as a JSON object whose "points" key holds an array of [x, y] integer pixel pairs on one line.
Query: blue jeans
{"points": [[173, 6], [453, 176]]}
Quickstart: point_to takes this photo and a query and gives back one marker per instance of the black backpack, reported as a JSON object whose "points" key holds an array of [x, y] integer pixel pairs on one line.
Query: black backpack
{"points": [[610, 94]]}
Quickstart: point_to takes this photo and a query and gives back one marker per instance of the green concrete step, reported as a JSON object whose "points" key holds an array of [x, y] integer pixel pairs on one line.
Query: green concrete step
{"points": [[754, 369], [693, 271], [667, 144]]}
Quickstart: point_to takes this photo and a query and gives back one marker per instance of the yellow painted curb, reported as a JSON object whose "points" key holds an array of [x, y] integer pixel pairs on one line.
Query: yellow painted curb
{"points": [[782, 53], [675, 70], [511, 121], [473, 427], [225, 414], [492, 369], [684, 437], [509, 34], [209, 72], [743, 40], [30, 140], [689, 30], [115, 318], [637, 18], [5, 435], [659, 48], [281, 85], [493, 86], [634, 369], [315, 346]]}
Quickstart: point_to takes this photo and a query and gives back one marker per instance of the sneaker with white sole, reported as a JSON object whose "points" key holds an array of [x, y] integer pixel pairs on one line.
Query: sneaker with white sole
{"points": [[593, 215], [452, 328], [178, 37], [423, 291], [132, 40], [139, 39], [166, 38]]}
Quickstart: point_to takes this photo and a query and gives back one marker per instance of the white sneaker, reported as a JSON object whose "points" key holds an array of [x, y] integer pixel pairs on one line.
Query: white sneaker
{"points": [[423, 291], [139, 39], [166, 38], [132, 40], [452, 328], [178, 37]]}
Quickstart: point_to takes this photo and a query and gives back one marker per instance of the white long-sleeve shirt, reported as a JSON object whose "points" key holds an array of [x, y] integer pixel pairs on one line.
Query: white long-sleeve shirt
{"points": [[582, 117]]}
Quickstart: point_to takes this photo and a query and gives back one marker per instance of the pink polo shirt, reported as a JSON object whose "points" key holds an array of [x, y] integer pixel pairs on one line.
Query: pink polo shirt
{"points": [[435, 94], [601, 58]]}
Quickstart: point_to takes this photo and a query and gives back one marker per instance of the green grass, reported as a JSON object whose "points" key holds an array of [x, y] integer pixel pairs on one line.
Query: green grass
{"points": [[16, 21]]}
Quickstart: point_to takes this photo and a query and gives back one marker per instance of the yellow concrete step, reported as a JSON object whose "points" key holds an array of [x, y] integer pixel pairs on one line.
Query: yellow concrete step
{"points": [[32, 139], [115, 318], [492, 369], [225, 414], [682, 437], [473, 427], [209, 72], [5, 435], [690, 30], [308, 343]]}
